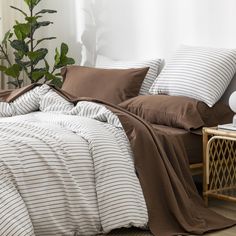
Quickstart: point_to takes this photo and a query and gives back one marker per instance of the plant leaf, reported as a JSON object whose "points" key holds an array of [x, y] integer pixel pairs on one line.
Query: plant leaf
{"points": [[43, 39], [61, 59], [35, 2], [19, 55], [23, 64], [70, 61], [57, 81], [38, 25], [32, 19], [37, 55], [43, 11], [64, 61], [38, 74], [20, 46], [32, 3], [44, 23], [28, 2], [6, 36], [57, 57], [64, 49], [3, 68], [49, 76], [46, 65], [19, 10], [22, 30], [13, 71]]}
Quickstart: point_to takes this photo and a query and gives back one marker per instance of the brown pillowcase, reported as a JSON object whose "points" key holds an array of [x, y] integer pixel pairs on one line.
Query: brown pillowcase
{"points": [[111, 85], [12, 94], [178, 111]]}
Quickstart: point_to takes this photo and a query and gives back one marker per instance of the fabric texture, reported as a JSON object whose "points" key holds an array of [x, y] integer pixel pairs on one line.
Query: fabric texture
{"points": [[4, 94], [173, 204], [65, 169], [197, 72], [191, 143], [12, 94], [153, 64], [178, 111], [111, 85]]}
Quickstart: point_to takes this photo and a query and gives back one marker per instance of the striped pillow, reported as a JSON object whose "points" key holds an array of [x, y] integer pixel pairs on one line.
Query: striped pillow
{"points": [[197, 72], [154, 69]]}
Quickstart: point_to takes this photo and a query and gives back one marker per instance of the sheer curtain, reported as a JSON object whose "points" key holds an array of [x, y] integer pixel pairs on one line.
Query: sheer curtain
{"points": [[131, 29], [8, 17]]}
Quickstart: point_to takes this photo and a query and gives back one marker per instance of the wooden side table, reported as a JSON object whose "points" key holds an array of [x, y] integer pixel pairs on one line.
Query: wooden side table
{"points": [[219, 164]]}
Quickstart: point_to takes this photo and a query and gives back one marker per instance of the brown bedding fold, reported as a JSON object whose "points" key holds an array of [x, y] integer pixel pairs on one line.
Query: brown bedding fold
{"points": [[190, 142], [174, 206]]}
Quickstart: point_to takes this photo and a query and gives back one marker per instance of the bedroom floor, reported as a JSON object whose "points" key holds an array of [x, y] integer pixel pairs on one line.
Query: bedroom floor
{"points": [[227, 209]]}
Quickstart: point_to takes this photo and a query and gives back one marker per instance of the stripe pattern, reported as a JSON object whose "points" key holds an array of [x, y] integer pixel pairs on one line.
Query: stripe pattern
{"points": [[65, 171], [154, 69], [197, 72]]}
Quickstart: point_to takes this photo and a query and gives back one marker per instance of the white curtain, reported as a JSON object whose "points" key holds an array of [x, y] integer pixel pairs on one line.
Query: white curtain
{"points": [[132, 29], [138, 29], [8, 17], [74, 24]]}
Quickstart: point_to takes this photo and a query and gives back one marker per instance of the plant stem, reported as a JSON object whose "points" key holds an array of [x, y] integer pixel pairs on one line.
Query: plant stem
{"points": [[9, 62], [18, 82], [5, 54], [53, 70], [31, 47]]}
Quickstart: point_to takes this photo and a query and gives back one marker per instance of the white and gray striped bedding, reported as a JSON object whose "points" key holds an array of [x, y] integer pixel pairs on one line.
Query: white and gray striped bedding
{"points": [[198, 72], [65, 169], [153, 64]]}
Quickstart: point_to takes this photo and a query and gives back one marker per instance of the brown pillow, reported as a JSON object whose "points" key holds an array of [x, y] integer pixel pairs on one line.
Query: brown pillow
{"points": [[111, 85], [178, 111]]}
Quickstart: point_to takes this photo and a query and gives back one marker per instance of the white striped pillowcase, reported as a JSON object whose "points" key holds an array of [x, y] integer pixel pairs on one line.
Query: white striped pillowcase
{"points": [[197, 72], [153, 64]]}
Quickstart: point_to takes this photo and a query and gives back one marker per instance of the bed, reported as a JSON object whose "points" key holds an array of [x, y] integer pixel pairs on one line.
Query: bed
{"points": [[97, 155], [192, 141], [48, 190]]}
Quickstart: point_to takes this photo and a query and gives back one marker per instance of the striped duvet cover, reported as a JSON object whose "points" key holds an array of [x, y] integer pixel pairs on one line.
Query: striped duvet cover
{"points": [[65, 169]]}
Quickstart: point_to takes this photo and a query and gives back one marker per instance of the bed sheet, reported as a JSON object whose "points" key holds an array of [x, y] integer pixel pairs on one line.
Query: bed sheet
{"points": [[191, 142]]}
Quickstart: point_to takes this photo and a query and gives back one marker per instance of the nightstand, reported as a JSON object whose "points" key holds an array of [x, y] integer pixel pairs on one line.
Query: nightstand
{"points": [[219, 164]]}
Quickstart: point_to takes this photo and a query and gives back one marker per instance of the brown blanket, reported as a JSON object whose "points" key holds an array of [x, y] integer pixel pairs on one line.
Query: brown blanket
{"points": [[174, 206]]}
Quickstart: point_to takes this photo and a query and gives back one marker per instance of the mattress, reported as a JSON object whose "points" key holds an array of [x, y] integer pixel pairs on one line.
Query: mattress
{"points": [[191, 142]]}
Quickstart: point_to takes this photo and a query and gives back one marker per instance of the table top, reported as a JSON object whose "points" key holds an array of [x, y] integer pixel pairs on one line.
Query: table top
{"points": [[220, 132]]}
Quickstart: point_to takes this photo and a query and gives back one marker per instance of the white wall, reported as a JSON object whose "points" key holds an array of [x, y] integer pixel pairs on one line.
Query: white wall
{"points": [[8, 15], [65, 27]]}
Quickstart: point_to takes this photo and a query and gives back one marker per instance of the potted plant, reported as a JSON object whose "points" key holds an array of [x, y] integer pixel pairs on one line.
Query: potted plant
{"points": [[27, 56]]}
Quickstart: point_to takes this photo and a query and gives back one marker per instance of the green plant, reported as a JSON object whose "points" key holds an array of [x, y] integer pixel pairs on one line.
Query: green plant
{"points": [[27, 57]]}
